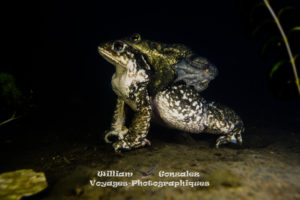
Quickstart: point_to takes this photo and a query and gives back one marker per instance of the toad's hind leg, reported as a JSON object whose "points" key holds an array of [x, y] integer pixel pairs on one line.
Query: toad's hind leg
{"points": [[233, 136]]}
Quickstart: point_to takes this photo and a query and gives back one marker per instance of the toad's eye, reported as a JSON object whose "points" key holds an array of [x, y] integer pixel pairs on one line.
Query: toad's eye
{"points": [[135, 38], [118, 47]]}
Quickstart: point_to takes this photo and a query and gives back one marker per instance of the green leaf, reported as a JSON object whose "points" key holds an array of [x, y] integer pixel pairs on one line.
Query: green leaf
{"points": [[261, 26], [296, 28], [292, 30], [270, 41], [282, 10], [276, 67]]}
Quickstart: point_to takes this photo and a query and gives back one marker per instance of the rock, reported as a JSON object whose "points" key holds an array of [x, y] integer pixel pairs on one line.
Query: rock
{"points": [[21, 183]]}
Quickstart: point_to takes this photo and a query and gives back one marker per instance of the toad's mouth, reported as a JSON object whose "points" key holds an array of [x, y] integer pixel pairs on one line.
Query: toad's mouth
{"points": [[109, 57]]}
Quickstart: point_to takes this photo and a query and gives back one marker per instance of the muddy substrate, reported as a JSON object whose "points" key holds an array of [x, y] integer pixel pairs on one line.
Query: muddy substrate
{"points": [[266, 166]]}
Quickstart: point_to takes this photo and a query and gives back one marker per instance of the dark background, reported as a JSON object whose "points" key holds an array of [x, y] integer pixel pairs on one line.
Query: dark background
{"points": [[51, 49]]}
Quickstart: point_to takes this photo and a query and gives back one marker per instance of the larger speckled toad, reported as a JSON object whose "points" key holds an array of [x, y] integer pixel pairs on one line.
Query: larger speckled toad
{"points": [[177, 104]]}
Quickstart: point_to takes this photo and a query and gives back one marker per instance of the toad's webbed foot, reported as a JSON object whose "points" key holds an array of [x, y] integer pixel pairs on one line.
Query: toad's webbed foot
{"points": [[195, 71], [129, 143], [116, 133], [234, 137]]}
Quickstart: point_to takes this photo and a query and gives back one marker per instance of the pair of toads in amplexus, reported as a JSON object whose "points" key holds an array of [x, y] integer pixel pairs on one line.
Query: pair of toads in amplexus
{"points": [[163, 82]]}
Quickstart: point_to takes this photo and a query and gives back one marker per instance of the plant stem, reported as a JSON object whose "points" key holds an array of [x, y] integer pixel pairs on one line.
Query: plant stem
{"points": [[285, 39], [13, 117]]}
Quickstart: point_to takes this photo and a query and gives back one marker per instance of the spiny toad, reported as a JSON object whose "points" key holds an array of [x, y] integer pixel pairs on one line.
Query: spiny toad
{"points": [[178, 104]]}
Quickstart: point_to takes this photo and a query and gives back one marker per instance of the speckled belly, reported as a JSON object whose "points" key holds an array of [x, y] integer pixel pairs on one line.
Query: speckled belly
{"points": [[181, 108]]}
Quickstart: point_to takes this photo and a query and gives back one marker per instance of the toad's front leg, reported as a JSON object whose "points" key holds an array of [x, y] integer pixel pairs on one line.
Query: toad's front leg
{"points": [[118, 121], [139, 127]]}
